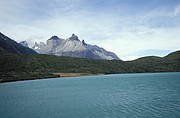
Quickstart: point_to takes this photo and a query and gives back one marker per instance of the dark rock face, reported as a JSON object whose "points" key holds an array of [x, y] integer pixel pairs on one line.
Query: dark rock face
{"points": [[73, 47], [74, 37], [53, 41], [84, 42], [12, 46], [54, 38]]}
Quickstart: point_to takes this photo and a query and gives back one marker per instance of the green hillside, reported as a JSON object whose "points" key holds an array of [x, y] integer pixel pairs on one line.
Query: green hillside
{"points": [[15, 67]]}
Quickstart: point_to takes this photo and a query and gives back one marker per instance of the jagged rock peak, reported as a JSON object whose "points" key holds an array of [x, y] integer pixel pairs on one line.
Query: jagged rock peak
{"points": [[42, 44], [36, 43], [54, 38], [24, 43], [53, 41], [36, 46], [83, 42], [74, 37]]}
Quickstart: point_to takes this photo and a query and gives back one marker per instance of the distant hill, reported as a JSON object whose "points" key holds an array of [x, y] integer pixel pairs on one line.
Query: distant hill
{"points": [[15, 67], [12, 46], [73, 47]]}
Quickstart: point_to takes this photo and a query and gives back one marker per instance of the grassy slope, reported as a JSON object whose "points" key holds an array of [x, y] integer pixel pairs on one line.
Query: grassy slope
{"points": [[15, 67]]}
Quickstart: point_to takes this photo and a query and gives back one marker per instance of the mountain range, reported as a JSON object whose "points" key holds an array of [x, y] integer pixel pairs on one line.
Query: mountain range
{"points": [[73, 47], [26, 64], [12, 46]]}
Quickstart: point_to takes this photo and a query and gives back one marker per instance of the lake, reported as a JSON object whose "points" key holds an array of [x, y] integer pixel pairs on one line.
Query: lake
{"points": [[146, 95]]}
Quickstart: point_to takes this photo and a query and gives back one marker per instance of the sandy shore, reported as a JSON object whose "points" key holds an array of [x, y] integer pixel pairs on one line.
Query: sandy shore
{"points": [[75, 74]]}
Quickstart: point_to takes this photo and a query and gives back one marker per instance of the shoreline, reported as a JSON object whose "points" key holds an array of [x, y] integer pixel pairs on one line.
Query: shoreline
{"points": [[76, 74], [59, 75]]}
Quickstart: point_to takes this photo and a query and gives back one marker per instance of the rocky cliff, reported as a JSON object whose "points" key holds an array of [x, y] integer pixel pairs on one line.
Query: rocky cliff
{"points": [[72, 47], [24, 43]]}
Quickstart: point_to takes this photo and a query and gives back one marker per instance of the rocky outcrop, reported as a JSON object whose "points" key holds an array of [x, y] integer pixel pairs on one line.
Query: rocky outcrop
{"points": [[38, 46], [53, 41], [74, 37], [24, 43], [72, 47]]}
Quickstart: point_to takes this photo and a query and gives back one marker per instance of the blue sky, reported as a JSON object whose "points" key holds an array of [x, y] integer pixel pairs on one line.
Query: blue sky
{"points": [[130, 28]]}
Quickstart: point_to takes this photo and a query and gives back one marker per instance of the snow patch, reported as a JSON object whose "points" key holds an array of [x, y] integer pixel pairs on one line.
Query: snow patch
{"points": [[36, 48]]}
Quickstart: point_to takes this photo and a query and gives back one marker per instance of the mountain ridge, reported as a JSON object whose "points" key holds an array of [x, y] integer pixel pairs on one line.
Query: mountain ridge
{"points": [[11, 46], [73, 47], [24, 43]]}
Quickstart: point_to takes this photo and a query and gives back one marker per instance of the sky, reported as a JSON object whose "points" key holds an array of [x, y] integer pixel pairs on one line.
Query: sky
{"points": [[129, 28]]}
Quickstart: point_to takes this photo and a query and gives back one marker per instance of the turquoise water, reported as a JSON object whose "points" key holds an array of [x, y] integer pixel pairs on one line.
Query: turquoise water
{"points": [[147, 95]]}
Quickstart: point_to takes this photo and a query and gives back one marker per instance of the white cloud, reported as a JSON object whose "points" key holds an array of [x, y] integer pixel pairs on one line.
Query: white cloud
{"points": [[160, 39], [177, 10], [143, 32], [130, 58]]}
